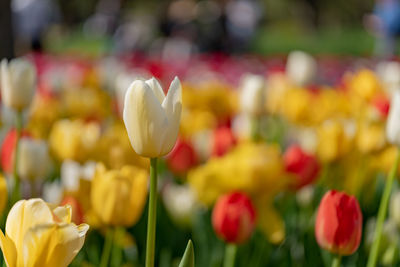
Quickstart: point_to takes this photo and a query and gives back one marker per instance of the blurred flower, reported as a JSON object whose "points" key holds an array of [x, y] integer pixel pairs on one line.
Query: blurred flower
{"points": [[18, 83], [365, 84], [233, 217], [252, 96], [3, 194], [304, 166], [73, 139], [301, 68], [223, 141], [182, 157], [305, 195], [394, 208], [33, 159], [333, 140], [7, 149], [389, 73], [151, 118], [77, 215], [393, 121], [114, 148], [118, 196], [38, 234], [180, 203], [370, 137], [338, 225], [256, 169]]}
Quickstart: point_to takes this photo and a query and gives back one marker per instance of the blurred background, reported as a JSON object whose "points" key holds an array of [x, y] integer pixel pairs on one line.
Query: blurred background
{"points": [[169, 28]]}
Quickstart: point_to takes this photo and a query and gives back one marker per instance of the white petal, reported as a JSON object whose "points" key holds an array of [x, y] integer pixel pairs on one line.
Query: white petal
{"points": [[393, 121], [172, 105], [157, 89], [145, 120]]}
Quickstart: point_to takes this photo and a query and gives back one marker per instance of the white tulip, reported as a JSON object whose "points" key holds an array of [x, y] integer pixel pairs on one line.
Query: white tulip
{"points": [[151, 118], [393, 120], [389, 73], [33, 159], [252, 96], [180, 203], [301, 68], [18, 83]]}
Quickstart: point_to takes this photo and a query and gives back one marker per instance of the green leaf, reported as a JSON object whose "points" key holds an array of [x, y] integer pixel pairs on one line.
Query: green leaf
{"points": [[188, 256]]}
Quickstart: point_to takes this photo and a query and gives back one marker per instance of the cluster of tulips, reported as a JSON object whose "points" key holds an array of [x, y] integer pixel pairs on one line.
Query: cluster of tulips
{"points": [[239, 162]]}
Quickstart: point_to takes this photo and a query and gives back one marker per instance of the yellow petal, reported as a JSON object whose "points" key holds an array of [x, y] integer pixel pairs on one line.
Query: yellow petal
{"points": [[52, 244], [144, 119], [63, 214], [25, 214], [271, 224], [9, 250]]}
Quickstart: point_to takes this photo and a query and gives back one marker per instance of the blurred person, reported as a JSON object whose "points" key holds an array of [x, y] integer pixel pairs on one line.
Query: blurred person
{"points": [[242, 17], [32, 18], [384, 23]]}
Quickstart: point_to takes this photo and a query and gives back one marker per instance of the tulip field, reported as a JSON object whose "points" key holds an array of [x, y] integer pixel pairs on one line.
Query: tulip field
{"points": [[210, 161]]}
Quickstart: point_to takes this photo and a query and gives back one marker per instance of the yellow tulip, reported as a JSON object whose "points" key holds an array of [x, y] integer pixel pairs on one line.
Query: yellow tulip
{"points": [[118, 196], [3, 193], [73, 139], [38, 234], [18, 78], [151, 118]]}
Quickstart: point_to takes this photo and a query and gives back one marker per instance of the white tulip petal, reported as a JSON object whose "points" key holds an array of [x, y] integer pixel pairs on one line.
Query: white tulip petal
{"points": [[157, 89], [393, 121], [145, 120], [172, 105]]}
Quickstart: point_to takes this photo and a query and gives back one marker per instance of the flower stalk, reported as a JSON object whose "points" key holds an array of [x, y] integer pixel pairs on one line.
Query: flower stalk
{"points": [[230, 255], [16, 193], [373, 256], [151, 221]]}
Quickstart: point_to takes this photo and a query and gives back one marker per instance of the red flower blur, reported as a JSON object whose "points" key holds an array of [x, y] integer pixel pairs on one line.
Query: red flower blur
{"points": [[338, 226], [233, 217], [7, 150], [182, 157], [382, 105], [223, 141], [77, 212], [305, 166]]}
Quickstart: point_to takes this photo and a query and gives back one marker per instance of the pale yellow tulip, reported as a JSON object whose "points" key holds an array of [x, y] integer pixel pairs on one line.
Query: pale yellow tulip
{"points": [[39, 234], [151, 118], [18, 78]]}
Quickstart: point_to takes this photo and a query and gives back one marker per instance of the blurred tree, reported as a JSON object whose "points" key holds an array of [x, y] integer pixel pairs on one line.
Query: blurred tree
{"points": [[6, 34]]}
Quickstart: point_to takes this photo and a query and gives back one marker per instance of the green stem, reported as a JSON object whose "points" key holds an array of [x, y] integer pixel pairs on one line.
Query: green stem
{"points": [[151, 220], [16, 194], [230, 255], [373, 256], [108, 243], [336, 261], [116, 255], [255, 128]]}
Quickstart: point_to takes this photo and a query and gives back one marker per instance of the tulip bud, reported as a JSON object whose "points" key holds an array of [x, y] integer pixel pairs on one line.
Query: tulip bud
{"points": [[233, 217], [118, 196], [305, 166], [33, 159], [182, 157], [393, 120], [7, 150], [18, 78], [223, 141], [252, 97], [301, 68], [39, 234], [151, 118], [338, 225]]}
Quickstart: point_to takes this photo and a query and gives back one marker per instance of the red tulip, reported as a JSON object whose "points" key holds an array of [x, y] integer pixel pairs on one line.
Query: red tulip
{"points": [[382, 105], [182, 157], [77, 212], [223, 141], [338, 224], [305, 166], [233, 217], [7, 150]]}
